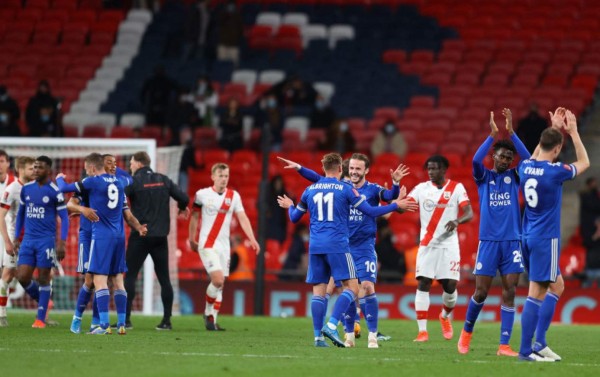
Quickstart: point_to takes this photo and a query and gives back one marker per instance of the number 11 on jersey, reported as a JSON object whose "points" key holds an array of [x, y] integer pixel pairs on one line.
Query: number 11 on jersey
{"points": [[319, 199]]}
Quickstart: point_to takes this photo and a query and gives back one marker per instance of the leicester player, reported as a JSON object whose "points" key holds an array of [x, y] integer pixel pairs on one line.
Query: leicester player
{"points": [[541, 184], [499, 241], [9, 205], [363, 230], [79, 204], [106, 196], [329, 202], [40, 203]]}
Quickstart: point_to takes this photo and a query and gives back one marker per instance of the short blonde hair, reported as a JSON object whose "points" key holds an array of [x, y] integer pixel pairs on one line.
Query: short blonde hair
{"points": [[23, 161], [331, 161], [218, 166]]}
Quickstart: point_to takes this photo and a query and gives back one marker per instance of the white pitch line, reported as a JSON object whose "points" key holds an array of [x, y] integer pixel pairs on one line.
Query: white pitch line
{"points": [[258, 356]]}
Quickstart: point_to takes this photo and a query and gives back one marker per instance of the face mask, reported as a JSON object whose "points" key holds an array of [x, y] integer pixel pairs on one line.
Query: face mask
{"points": [[389, 129], [45, 117], [344, 127]]}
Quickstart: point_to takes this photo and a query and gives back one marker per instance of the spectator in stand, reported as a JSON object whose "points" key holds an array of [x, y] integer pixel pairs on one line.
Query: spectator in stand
{"points": [[182, 114], [276, 216], [390, 140], [270, 114], [338, 138], [188, 158], [589, 216], [196, 28], [157, 93], [392, 266], [322, 115], [230, 33], [296, 262], [9, 114], [232, 125], [240, 268], [293, 92], [531, 127], [42, 113], [206, 100]]}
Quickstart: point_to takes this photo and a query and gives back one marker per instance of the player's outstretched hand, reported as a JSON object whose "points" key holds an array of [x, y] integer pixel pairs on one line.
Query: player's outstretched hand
{"points": [[284, 201], [509, 121], [407, 205], [184, 215], [90, 214], [289, 164], [558, 118], [60, 250], [400, 172], [451, 225], [571, 126], [61, 175], [142, 230], [493, 126], [193, 245]]}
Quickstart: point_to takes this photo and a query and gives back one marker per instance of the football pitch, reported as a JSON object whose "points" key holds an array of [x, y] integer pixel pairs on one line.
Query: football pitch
{"points": [[263, 346]]}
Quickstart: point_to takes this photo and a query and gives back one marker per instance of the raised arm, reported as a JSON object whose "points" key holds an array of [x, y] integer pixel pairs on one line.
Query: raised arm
{"points": [[519, 146], [295, 213], [309, 174], [63, 186], [397, 175], [583, 161]]}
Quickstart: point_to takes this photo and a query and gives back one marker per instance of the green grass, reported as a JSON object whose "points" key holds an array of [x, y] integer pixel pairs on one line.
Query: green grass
{"points": [[261, 346]]}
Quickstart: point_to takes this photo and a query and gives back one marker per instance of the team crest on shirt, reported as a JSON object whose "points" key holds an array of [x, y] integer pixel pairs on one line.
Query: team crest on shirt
{"points": [[447, 195], [45, 199], [228, 201], [507, 180]]}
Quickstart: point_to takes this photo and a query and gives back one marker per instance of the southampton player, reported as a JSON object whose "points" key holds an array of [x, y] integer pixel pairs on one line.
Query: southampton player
{"points": [[363, 230], [217, 204], [541, 183], [499, 232], [329, 202], [107, 248], [40, 203], [438, 257], [9, 204]]}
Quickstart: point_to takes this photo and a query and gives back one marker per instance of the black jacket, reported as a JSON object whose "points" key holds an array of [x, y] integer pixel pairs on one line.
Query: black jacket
{"points": [[149, 198]]}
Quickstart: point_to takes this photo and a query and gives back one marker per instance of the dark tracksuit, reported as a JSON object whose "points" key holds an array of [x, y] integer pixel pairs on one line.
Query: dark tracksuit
{"points": [[149, 198]]}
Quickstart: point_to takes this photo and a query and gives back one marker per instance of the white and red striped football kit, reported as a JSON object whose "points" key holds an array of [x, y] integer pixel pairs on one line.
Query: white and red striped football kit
{"points": [[8, 188], [438, 256], [217, 211]]}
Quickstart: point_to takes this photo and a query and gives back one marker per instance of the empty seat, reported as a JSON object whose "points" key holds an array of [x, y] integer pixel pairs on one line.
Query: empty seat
{"points": [[295, 18], [269, 18], [315, 31], [299, 124], [246, 77], [105, 119], [76, 119], [140, 15], [85, 107], [340, 32], [271, 76], [93, 96], [97, 131], [326, 89], [133, 120]]}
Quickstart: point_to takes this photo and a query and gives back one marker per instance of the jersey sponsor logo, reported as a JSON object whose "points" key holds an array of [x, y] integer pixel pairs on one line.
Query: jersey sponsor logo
{"points": [[355, 215], [499, 199], [507, 180], [34, 212]]}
